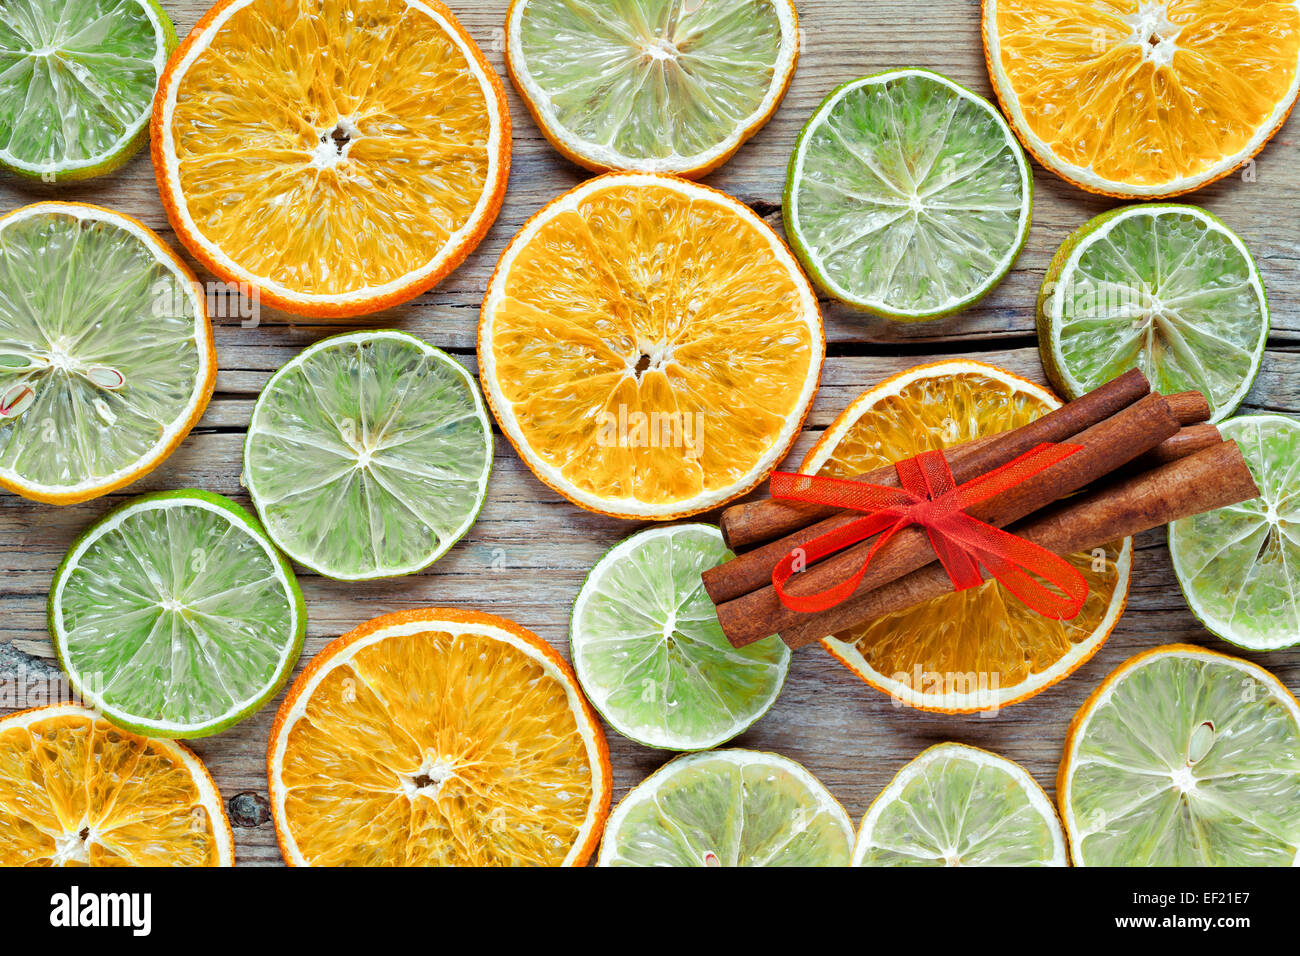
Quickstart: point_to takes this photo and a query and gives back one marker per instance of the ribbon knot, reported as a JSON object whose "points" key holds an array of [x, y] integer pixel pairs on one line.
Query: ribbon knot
{"points": [[929, 497]]}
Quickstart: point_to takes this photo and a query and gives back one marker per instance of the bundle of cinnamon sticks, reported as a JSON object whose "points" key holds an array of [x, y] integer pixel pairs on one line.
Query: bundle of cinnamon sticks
{"points": [[1145, 459]]}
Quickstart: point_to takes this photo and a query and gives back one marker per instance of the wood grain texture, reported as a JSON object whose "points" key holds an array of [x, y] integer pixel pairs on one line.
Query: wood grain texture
{"points": [[529, 551]]}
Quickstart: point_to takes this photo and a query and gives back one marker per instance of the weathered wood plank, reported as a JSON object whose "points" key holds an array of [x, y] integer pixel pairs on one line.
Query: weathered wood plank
{"points": [[529, 551]]}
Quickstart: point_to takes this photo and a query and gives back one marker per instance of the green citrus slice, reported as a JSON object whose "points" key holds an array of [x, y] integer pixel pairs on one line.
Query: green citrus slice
{"points": [[368, 455], [960, 806], [1166, 288], [175, 616], [649, 651], [1183, 757], [77, 80], [907, 195], [728, 808], [106, 355], [671, 86], [1239, 567]]}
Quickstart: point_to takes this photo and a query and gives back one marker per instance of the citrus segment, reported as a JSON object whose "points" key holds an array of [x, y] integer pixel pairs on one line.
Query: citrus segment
{"points": [[728, 808], [649, 346], [106, 354], [175, 615], [1143, 98], [981, 648], [368, 455], [77, 80], [1237, 566], [649, 651], [77, 791], [672, 86], [1184, 757], [1165, 288], [960, 806], [437, 737], [907, 195], [340, 156]]}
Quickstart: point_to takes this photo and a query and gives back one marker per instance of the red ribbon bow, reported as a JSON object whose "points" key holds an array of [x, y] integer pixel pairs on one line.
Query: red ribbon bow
{"points": [[929, 497]]}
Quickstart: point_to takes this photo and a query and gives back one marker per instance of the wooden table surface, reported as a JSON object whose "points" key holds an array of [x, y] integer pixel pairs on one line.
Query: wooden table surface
{"points": [[527, 555]]}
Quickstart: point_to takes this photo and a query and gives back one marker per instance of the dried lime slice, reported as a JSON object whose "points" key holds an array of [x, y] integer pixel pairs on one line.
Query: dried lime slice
{"points": [[670, 86], [1239, 567], [106, 354], [176, 616], [77, 80], [728, 808], [650, 653], [907, 195], [368, 455], [956, 805], [1166, 288], [1184, 757]]}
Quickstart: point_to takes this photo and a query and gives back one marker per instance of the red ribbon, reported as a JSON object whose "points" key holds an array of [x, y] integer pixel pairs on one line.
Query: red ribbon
{"points": [[930, 497]]}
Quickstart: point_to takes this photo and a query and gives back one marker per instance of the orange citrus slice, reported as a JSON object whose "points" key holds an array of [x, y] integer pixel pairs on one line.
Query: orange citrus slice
{"points": [[340, 156], [1144, 98], [980, 649], [77, 791], [649, 346], [438, 737]]}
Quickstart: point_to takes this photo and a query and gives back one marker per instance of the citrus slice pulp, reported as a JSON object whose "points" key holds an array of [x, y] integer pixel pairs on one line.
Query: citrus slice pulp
{"points": [[978, 649], [1184, 757], [907, 195], [106, 354], [438, 737], [175, 615], [77, 791], [675, 86], [956, 805], [728, 808], [1237, 566], [339, 156], [77, 82], [368, 455], [1143, 98], [649, 346], [1165, 288], [649, 651]]}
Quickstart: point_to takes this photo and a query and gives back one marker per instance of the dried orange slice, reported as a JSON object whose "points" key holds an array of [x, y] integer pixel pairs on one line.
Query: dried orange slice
{"points": [[1144, 98], [77, 791], [340, 156], [438, 737], [649, 346], [980, 649]]}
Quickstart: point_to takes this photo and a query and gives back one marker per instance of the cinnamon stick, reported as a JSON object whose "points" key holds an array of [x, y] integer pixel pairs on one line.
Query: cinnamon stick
{"points": [[1207, 479], [1190, 408], [754, 522], [753, 569], [1105, 447]]}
